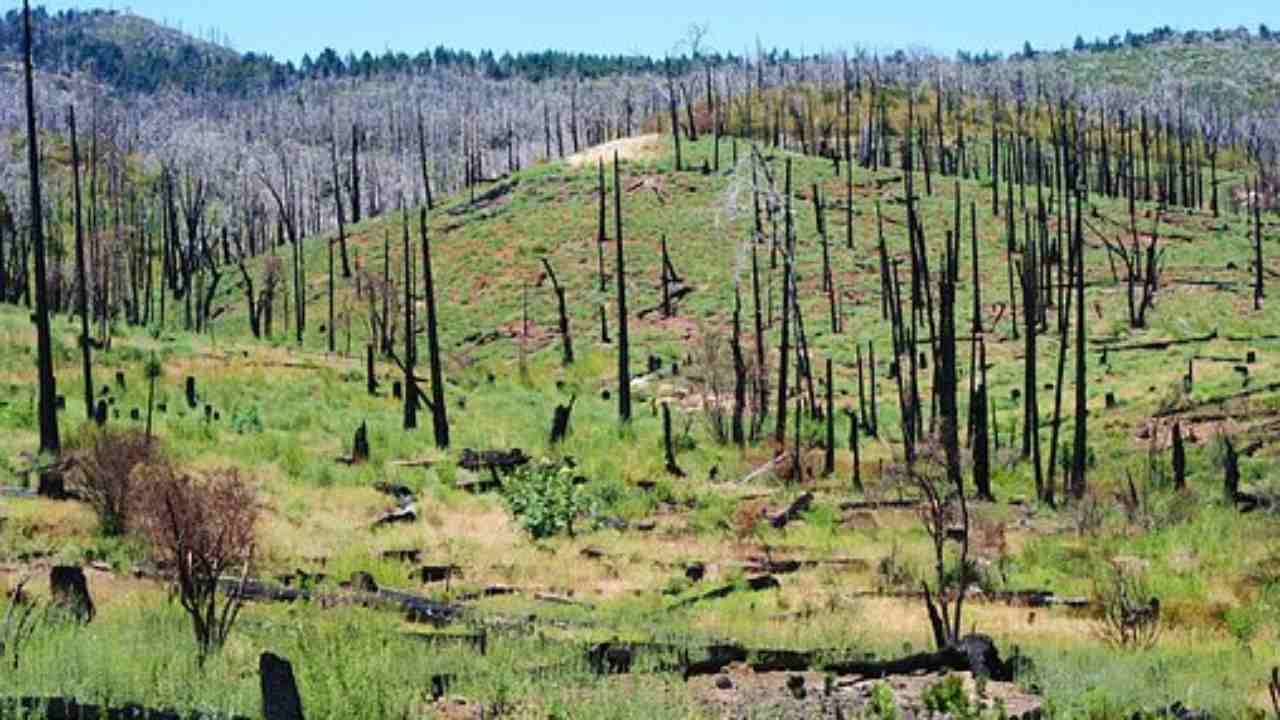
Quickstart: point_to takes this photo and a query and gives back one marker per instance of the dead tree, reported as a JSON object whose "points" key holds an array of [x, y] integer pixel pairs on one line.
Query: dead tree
{"points": [[439, 414], [1258, 293], [829, 460], [668, 444], [565, 338], [1179, 459], [410, 337], [82, 300], [1078, 446], [50, 483], [624, 361]]}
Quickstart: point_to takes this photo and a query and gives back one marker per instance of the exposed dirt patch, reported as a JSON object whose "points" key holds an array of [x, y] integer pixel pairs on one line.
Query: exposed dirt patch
{"points": [[635, 148]]}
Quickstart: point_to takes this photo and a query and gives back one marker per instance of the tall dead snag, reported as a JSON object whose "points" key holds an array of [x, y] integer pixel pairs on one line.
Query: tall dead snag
{"points": [[560, 420], [624, 360], [739, 372], [780, 431], [1031, 407], [600, 223], [1257, 247], [946, 375], [355, 174], [1179, 459], [50, 483], [1080, 439], [337, 201], [668, 444], [82, 299], [422, 159], [565, 339], [675, 116], [410, 337], [439, 414], [371, 377], [829, 461]]}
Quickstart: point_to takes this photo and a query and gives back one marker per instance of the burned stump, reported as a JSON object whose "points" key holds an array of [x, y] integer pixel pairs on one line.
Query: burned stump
{"points": [[71, 592], [280, 698]]}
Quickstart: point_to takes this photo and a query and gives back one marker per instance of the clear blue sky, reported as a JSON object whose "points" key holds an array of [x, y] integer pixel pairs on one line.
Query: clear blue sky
{"points": [[289, 28]]}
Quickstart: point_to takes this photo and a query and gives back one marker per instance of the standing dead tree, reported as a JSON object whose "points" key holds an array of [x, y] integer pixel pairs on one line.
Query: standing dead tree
{"points": [[50, 482], [565, 338], [439, 414], [624, 360]]}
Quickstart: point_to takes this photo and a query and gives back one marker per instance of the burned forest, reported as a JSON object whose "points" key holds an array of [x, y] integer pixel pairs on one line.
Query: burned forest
{"points": [[708, 384]]}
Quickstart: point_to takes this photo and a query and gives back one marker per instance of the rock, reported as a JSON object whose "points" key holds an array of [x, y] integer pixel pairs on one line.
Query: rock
{"points": [[724, 682]]}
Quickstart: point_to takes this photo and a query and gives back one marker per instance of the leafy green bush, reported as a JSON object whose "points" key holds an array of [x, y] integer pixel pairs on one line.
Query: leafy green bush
{"points": [[948, 697], [882, 705], [246, 420], [544, 498]]}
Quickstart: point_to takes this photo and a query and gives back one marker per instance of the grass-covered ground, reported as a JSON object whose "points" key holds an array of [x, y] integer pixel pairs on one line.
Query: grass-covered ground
{"points": [[286, 412]]}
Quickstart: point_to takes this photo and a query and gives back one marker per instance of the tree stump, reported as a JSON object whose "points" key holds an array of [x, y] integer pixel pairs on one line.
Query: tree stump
{"points": [[51, 484], [280, 699], [71, 592], [397, 390], [120, 381], [100, 413], [360, 447], [191, 393], [560, 421]]}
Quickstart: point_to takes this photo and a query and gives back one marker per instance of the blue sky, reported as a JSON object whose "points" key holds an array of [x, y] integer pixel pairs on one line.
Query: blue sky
{"points": [[289, 28]]}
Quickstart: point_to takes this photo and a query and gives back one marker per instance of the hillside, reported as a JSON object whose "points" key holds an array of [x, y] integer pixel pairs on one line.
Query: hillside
{"points": [[283, 413]]}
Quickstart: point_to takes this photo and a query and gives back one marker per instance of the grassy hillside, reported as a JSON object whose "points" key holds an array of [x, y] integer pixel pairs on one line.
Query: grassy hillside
{"points": [[284, 413]]}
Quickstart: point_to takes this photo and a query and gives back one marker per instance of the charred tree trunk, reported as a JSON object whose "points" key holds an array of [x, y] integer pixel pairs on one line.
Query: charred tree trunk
{"points": [[82, 300], [624, 359], [565, 338], [439, 414], [48, 411]]}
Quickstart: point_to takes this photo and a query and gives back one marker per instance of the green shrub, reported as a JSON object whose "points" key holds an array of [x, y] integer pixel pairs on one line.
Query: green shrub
{"points": [[948, 697], [544, 498]]}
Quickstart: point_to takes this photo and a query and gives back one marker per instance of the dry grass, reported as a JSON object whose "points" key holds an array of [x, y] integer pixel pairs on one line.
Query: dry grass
{"points": [[641, 147]]}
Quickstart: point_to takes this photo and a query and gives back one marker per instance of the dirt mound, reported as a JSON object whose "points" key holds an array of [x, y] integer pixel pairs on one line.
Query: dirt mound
{"points": [[634, 148]]}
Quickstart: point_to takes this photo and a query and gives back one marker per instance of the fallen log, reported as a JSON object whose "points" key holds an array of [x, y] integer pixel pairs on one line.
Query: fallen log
{"points": [[478, 640], [504, 460], [754, 584], [973, 653], [878, 504], [404, 514], [415, 608], [797, 508], [1210, 402], [1154, 344], [59, 708]]}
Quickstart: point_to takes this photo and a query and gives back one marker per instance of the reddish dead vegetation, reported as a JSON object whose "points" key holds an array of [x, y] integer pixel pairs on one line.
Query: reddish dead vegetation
{"points": [[103, 465], [200, 528]]}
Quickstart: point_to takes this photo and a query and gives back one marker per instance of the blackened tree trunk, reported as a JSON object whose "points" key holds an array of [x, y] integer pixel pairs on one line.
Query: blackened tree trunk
{"points": [[410, 337], [566, 340], [337, 201], [675, 116], [739, 372], [829, 461], [1179, 459], [82, 299], [1258, 292], [1080, 439], [600, 223], [668, 445], [439, 414], [780, 431], [624, 360], [355, 174], [422, 158], [48, 411]]}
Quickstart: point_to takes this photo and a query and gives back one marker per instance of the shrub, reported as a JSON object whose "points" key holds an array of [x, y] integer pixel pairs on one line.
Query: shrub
{"points": [[103, 465], [948, 696], [1130, 612], [544, 498], [200, 528]]}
